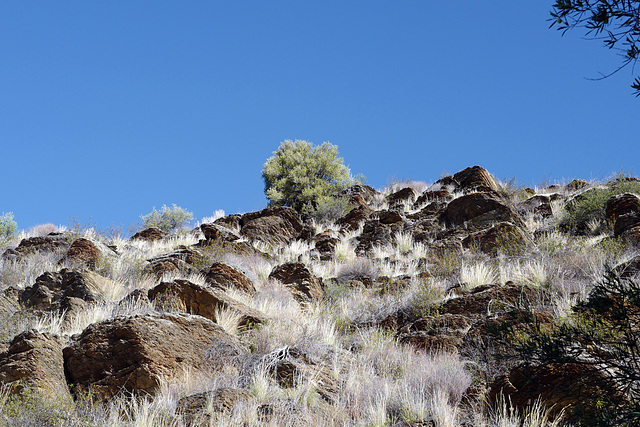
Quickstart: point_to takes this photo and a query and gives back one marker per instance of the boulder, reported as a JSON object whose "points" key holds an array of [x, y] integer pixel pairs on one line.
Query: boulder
{"points": [[374, 233], [401, 198], [183, 260], [435, 333], [620, 205], [503, 237], [205, 302], [627, 226], [150, 234], [478, 210], [325, 244], [83, 252], [570, 387], [359, 192], [486, 299], [429, 196], [354, 218], [475, 178], [65, 290], [577, 184], [540, 205], [219, 232], [272, 225], [197, 409], [34, 361], [224, 276], [53, 242], [389, 217], [304, 286], [133, 354]]}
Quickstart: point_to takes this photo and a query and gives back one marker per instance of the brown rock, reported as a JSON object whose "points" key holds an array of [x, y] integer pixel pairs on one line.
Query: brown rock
{"points": [[230, 222], [272, 225], [150, 234], [540, 205], [205, 302], [620, 205], [218, 232], [477, 210], [224, 276], [503, 237], [304, 286], [577, 184], [477, 301], [196, 410], [60, 291], [183, 260], [430, 196], [475, 178], [363, 193], [569, 387], [405, 197], [435, 333], [34, 361], [325, 245], [374, 233], [132, 354], [628, 226], [389, 217], [53, 242], [354, 218], [83, 252]]}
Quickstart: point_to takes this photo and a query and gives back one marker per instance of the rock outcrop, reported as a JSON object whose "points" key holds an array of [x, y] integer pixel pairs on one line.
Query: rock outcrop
{"points": [[132, 354], [297, 278]]}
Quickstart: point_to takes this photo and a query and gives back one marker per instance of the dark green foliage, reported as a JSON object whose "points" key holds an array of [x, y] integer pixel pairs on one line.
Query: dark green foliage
{"points": [[617, 23], [604, 333]]}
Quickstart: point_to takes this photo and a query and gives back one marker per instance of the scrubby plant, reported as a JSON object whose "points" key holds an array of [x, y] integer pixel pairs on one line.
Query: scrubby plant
{"points": [[302, 176], [168, 219], [7, 226], [586, 212], [603, 335]]}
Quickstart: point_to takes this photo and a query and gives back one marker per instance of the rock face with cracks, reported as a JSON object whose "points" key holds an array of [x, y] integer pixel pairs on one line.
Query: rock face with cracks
{"points": [[132, 354]]}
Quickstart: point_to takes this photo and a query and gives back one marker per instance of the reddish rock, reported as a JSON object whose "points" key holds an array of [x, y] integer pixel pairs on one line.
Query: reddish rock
{"points": [[558, 387], [389, 217], [503, 237], [272, 225], [478, 209], [304, 286], [430, 196], [360, 192], [205, 302], [196, 410], [475, 178], [34, 361], [83, 252], [477, 301], [61, 291], [183, 260], [150, 234], [620, 205], [577, 184], [218, 232], [54, 242], [540, 205], [133, 354], [354, 218], [224, 276], [405, 197]]}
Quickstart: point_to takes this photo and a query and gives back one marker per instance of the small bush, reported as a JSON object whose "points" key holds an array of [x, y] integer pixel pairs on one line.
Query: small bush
{"points": [[300, 175], [7, 226], [586, 212], [168, 219]]}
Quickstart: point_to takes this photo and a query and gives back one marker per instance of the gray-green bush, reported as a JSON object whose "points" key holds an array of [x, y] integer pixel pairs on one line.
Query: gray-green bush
{"points": [[7, 226], [300, 175], [168, 219]]}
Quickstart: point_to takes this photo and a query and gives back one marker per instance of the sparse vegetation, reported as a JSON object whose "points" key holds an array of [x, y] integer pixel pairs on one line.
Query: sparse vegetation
{"points": [[167, 219], [406, 329]]}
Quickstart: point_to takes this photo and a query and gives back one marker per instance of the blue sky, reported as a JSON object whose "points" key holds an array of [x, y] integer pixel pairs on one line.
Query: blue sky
{"points": [[111, 108]]}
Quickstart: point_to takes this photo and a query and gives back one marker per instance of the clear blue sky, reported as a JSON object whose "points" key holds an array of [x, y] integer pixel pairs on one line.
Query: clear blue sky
{"points": [[108, 109]]}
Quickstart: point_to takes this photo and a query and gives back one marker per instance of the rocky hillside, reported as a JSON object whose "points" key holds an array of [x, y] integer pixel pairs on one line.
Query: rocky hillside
{"points": [[468, 302]]}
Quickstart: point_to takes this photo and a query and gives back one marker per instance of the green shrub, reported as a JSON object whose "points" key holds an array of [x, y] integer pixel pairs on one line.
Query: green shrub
{"points": [[7, 226], [603, 334], [586, 212], [300, 175], [168, 219]]}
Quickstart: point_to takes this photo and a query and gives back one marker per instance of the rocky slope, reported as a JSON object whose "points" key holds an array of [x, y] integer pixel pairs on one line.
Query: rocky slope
{"points": [[392, 315]]}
